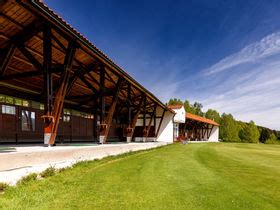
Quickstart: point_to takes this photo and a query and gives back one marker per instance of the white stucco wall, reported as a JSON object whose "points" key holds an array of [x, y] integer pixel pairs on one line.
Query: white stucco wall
{"points": [[180, 116], [214, 136], [166, 129]]}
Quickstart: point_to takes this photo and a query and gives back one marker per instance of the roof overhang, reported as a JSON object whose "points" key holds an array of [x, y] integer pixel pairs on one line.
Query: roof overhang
{"points": [[197, 118], [38, 11]]}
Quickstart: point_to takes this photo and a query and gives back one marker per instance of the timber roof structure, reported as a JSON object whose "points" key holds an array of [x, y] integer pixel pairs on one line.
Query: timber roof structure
{"points": [[27, 28]]}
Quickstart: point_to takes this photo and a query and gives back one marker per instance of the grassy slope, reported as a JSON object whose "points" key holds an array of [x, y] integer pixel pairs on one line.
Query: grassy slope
{"points": [[197, 176]]}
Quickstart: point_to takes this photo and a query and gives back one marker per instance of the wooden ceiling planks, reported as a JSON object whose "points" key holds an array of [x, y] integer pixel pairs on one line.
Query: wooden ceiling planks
{"points": [[15, 18]]}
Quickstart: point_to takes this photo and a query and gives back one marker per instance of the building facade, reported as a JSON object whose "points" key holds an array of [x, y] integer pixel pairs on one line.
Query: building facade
{"points": [[187, 126], [57, 86]]}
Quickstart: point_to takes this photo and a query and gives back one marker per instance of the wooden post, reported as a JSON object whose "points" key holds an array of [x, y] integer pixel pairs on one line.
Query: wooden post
{"points": [[144, 119], [129, 103], [60, 95], [105, 128], [48, 88], [208, 136], [150, 122], [155, 122], [95, 119], [102, 107], [161, 119], [6, 60], [131, 126]]}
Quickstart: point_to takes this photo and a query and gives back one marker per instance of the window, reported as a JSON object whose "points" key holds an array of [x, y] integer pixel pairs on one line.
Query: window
{"points": [[18, 102], [176, 130], [35, 105], [66, 111], [9, 100], [75, 113], [27, 120], [8, 109], [66, 118], [42, 107], [25, 103], [2, 98], [66, 115]]}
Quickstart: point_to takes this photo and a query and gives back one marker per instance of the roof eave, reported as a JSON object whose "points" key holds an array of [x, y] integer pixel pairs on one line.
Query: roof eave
{"points": [[39, 5]]}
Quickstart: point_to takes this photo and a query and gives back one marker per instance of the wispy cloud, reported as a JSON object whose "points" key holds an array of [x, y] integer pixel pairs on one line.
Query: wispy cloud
{"points": [[269, 45], [251, 91]]}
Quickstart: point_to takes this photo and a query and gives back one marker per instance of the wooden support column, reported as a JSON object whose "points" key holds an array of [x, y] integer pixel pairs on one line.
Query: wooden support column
{"points": [[129, 103], [184, 130], [144, 118], [95, 131], [6, 60], [105, 126], [48, 89], [205, 131], [102, 95], [60, 95], [131, 126], [210, 131], [155, 122], [129, 114], [150, 122], [161, 119]]}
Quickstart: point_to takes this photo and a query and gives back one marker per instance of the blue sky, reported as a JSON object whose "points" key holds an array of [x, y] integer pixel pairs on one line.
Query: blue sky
{"points": [[224, 54]]}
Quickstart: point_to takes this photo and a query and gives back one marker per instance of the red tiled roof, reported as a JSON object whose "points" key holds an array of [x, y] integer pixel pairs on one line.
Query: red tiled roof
{"points": [[200, 119], [179, 106]]}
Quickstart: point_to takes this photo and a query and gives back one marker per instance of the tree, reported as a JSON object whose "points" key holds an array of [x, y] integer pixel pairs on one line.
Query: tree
{"points": [[189, 107], [213, 115], [174, 101], [265, 135], [198, 108], [250, 133], [229, 129], [272, 139]]}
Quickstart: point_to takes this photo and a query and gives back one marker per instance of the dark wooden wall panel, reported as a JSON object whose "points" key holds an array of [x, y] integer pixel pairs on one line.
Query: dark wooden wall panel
{"points": [[78, 129]]}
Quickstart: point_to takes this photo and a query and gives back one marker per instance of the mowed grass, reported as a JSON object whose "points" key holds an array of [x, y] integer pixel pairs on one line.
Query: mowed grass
{"points": [[192, 176]]}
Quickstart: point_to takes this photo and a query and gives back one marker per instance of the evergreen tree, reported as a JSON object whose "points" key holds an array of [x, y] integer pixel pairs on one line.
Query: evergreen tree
{"points": [[174, 101], [265, 135], [198, 108], [188, 107]]}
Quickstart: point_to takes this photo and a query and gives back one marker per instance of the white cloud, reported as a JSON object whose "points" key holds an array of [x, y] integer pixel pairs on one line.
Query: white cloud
{"points": [[251, 91], [269, 45]]}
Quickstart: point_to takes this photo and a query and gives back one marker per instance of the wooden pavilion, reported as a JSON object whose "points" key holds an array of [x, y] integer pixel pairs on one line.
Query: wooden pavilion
{"points": [[49, 71]]}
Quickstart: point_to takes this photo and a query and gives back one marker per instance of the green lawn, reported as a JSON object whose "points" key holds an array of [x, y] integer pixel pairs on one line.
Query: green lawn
{"points": [[193, 176]]}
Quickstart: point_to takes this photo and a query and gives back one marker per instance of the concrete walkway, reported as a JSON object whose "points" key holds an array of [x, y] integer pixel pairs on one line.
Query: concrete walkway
{"points": [[19, 161]]}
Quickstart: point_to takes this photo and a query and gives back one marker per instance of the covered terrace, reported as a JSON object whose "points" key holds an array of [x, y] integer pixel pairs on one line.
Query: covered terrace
{"points": [[197, 128], [43, 59]]}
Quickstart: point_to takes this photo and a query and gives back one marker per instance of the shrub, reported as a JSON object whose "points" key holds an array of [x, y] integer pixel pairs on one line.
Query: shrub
{"points": [[272, 139], [28, 178], [64, 169], [3, 186], [50, 171]]}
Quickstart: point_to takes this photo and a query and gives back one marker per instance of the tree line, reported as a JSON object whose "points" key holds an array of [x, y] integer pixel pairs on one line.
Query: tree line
{"points": [[232, 130]]}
